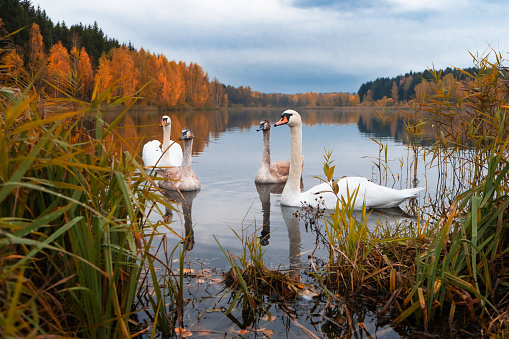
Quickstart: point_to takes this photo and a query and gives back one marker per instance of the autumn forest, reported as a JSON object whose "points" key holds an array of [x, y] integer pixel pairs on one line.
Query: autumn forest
{"points": [[78, 58]]}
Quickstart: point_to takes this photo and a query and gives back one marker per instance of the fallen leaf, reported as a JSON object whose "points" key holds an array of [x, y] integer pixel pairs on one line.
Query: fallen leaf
{"points": [[268, 318], [307, 294], [268, 333], [361, 325], [183, 332]]}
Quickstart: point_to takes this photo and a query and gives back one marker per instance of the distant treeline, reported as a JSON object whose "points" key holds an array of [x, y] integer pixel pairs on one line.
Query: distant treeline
{"points": [[402, 88], [93, 58]]}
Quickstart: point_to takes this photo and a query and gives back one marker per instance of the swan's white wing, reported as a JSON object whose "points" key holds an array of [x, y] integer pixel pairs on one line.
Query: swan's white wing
{"points": [[374, 195], [151, 153], [176, 155]]}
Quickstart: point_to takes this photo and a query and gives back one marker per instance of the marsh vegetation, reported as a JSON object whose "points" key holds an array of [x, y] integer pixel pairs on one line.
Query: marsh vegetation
{"points": [[82, 256]]}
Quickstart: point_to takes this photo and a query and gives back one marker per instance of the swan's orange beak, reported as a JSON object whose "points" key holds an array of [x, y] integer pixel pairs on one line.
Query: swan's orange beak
{"points": [[163, 123], [282, 121]]}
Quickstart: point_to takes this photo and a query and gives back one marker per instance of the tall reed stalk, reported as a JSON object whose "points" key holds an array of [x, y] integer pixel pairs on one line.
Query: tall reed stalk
{"points": [[452, 264], [74, 230]]}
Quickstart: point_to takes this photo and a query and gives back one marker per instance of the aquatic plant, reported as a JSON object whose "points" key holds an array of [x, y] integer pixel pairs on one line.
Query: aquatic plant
{"points": [[75, 235], [453, 262], [250, 277]]}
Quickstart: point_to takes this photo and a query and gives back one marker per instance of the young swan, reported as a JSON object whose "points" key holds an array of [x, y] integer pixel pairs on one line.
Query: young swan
{"points": [[169, 155], [182, 178], [319, 196], [270, 173]]}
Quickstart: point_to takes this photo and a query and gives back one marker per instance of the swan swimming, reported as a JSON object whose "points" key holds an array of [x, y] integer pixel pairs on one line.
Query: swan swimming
{"points": [[153, 154], [320, 196], [182, 178], [270, 173]]}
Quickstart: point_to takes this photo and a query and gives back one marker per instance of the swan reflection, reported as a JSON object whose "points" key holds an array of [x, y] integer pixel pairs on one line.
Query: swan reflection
{"points": [[388, 217], [185, 200], [292, 220], [264, 191]]}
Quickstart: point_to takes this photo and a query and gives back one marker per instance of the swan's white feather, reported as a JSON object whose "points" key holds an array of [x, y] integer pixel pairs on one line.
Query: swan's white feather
{"points": [[152, 153], [358, 188], [320, 196]]}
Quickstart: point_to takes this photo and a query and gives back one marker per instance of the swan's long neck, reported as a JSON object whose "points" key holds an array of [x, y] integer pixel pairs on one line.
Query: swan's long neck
{"points": [[292, 187], [186, 162], [166, 142], [266, 148]]}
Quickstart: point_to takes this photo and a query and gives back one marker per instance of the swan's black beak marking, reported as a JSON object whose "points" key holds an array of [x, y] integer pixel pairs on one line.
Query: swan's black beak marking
{"points": [[185, 134], [163, 122], [261, 127], [285, 117]]}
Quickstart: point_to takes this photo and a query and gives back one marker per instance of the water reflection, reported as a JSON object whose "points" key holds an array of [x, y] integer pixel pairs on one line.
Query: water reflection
{"points": [[185, 200], [292, 221], [389, 217], [264, 191], [141, 124]]}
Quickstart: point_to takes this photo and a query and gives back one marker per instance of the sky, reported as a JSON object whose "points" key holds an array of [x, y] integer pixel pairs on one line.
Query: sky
{"points": [[297, 46]]}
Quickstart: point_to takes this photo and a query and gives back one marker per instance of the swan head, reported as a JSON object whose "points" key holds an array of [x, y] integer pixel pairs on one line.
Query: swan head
{"points": [[165, 121], [264, 126], [289, 117], [186, 134]]}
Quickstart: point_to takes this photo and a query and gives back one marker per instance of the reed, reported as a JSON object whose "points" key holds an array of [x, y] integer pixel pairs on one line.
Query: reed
{"points": [[250, 279], [453, 262], [74, 229]]}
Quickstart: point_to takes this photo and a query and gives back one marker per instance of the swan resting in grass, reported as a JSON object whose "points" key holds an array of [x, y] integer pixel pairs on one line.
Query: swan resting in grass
{"points": [[182, 178], [321, 196], [169, 155]]}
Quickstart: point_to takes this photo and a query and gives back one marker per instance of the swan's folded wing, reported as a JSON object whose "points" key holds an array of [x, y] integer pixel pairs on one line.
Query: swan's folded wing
{"points": [[280, 168], [377, 196], [151, 153], [176, 154]]}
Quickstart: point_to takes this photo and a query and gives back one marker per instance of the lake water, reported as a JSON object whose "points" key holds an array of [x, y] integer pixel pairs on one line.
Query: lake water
{"points": [[226, 157]]}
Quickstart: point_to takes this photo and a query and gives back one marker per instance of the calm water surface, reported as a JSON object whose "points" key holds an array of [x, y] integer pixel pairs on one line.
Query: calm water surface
{"points": [[226, 157]]}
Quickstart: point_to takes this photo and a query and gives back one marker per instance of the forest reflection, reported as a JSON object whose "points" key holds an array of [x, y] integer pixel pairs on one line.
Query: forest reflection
{"points": [[141, 125]]}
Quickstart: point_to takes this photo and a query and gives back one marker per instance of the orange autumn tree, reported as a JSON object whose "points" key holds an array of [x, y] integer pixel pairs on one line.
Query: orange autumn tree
{"points": [[13, 67], [59, 69], [171, 81], [162, 84], [124, 71], [36, 56], [145, 62], [103, 75], [218, 94], [84, 73], [197, 85]]}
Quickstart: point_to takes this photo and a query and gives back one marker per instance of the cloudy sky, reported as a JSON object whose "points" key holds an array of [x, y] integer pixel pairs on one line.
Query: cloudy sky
{"points": [[294, 46]]}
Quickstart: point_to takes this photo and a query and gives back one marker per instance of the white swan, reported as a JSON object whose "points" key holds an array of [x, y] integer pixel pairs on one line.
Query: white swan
{"points": [[154, 156], [270, 173], [182, 178], [319, 196]]}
